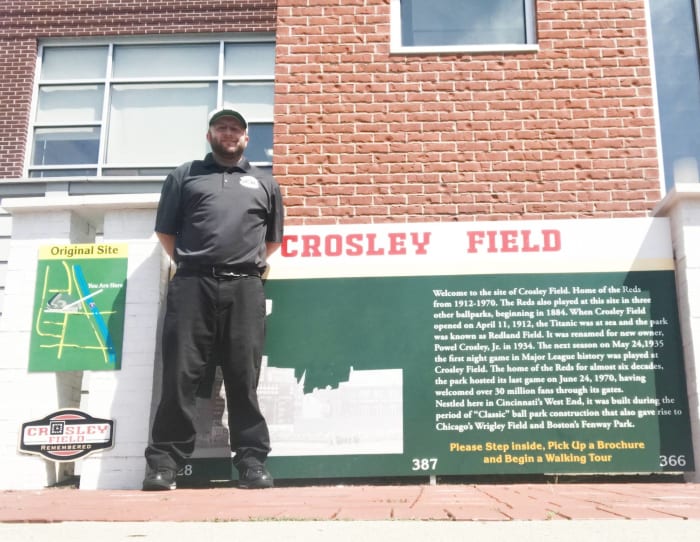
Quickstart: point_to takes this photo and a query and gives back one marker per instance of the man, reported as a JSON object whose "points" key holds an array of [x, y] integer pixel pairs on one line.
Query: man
{"points": [[218, 219]]}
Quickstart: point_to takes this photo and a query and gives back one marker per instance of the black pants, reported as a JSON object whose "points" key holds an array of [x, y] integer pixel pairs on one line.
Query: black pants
{"points": [[209, 321]]}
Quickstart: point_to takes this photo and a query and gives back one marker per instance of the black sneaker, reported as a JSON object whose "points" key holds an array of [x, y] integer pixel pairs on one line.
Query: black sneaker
{"points": [[255, 477], [162, 479]]}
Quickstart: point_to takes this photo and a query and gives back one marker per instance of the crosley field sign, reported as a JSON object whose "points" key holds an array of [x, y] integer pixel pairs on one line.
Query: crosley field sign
{"points": [[66, 435]]}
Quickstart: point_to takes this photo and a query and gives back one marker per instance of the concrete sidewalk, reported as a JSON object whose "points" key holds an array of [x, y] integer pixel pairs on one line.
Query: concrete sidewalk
{"points": [[576, 511], [364, 531]]}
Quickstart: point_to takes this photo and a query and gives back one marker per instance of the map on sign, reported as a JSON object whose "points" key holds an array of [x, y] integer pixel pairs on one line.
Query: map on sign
{"points": [[79, 308]]}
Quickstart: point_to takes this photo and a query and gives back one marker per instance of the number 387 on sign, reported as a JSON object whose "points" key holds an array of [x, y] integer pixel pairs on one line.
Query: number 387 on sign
{"points": [[424, 463]]}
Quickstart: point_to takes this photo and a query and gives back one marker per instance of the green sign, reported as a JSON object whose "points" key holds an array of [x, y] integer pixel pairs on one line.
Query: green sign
{"points": [[506, 371], [79, 308], [518, 374]]}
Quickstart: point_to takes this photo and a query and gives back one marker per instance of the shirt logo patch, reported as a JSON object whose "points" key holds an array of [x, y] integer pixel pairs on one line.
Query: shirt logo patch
{"points": [[249, 182]]}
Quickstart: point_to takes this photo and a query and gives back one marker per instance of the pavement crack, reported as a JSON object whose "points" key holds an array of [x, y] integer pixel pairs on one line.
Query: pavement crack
{"points": [[493, 497], [670, 514], [421, 490]]}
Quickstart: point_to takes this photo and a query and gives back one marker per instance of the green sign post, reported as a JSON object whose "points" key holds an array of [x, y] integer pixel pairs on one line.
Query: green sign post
{"points": [[79, 308]]}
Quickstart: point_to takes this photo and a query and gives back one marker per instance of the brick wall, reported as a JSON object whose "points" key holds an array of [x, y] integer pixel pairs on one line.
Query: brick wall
{"points": [[17, 62], [24, 22], [363, 135], [367, 136]]}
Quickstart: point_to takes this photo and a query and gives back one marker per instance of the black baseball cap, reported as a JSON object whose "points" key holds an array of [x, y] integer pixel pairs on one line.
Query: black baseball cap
{"points": [[224, 112]]}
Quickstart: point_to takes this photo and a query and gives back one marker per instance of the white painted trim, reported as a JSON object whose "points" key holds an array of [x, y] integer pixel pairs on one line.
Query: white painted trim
{"points": [[65, 203], [476, 49], [655, 98], [679, 193]]}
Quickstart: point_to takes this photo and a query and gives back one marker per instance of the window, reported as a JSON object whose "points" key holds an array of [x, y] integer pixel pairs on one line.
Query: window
{"points": [[676, 36], [459, 25], [134, 109]]}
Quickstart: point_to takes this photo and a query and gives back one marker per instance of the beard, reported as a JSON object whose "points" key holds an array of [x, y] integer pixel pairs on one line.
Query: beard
{"points": [[229, 151]]}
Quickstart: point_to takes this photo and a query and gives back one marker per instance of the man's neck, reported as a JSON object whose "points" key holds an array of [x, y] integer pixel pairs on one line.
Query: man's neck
{"points": [[227, 161]]}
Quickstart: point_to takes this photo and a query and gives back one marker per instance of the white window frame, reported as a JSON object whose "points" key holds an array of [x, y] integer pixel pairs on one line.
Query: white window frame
{"points": [[108, 81], [696, 4], [396, 45], [667, 184]]}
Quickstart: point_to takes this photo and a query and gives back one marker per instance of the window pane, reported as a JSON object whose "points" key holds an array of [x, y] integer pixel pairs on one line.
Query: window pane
{"points": [[57, 146], [260, 144], [137, 172], [158, 123], [77, 104], [73, 63], [456, 22], [249, 59], [156, 115], [678, 86], [42, 173], [253, 100], [195, 60]]}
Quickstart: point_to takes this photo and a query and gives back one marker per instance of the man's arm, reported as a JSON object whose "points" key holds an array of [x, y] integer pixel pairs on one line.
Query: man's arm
{"points": [[272, 247], [168, 243]]}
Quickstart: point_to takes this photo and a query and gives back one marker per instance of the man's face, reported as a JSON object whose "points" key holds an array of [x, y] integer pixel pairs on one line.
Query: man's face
{"points": [[227, 137]]}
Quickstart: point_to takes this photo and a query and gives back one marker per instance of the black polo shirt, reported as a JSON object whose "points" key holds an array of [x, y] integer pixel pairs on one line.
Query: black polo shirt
{"points": [[221, 215]]}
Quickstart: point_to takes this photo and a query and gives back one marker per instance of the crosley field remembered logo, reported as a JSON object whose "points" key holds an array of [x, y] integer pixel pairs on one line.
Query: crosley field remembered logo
{"points": [[66, 435]]}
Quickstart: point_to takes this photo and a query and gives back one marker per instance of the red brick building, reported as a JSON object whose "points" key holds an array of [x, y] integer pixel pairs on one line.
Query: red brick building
{"points": [[565, 129], [560, 121]]}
